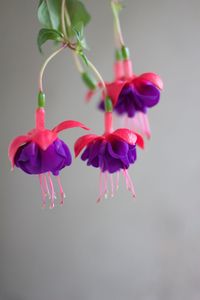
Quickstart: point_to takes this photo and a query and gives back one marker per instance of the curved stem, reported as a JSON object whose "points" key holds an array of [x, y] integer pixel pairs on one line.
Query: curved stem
{"points": [[116, 38], [117, 22], [77, 62], [46, 63], [67, 17], [96, 72]]}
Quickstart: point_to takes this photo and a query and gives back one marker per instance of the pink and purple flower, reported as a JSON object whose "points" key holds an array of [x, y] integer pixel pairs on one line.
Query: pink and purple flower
{"points": [[112, 152], [41, 152], [132, 95]]}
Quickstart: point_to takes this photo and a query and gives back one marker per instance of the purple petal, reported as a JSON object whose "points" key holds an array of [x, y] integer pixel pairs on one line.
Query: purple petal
{"points": [[149, 94], [33, 160]]}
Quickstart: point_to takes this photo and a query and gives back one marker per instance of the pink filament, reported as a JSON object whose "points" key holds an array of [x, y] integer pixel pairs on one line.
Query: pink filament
{"points": [[42, 190], [53, 196], [46, 187], [112, 185], [146, 125], [100, 187], [129, 183], [117, 181], [105, 184], [126, 179], [135, 123], [62, 194]]}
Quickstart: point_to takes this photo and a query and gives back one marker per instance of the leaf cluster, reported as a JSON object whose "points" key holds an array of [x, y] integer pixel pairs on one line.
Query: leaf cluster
{"points": [[49, 15]]}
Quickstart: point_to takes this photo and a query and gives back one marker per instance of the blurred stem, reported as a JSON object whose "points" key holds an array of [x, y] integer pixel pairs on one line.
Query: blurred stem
{"points": [[117, 23], [45, 64], [76, 58], [77, 62], [98, 75]]}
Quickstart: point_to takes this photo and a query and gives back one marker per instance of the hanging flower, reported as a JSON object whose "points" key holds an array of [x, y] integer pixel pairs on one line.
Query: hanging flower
{"points": [[41, 152], [132, 95], [112, 152]]}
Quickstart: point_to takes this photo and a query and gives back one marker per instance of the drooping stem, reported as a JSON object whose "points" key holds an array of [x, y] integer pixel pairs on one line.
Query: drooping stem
{"points": [[77, 63], [68, 20], [117, 22], [45, 64], [98, 75], [66, 17]]}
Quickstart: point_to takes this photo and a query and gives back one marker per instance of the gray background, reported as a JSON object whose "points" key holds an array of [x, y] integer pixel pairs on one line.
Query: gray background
{"points": [[120, 250]]}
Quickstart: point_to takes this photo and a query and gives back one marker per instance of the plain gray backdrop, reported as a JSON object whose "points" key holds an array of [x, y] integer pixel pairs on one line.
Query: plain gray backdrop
{"points": [[148, 249]]}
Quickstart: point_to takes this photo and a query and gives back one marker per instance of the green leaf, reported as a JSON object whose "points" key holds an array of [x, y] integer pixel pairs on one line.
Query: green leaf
{"points": [[79, 16], [46, 34], [78, 32], [49, 14]]}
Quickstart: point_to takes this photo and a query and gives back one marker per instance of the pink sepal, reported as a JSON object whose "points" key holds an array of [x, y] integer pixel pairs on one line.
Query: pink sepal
{"points": [[89, 95], [140, 140], [83, 141], [68, 124], [151, 77], [14, 145], [43, 138], [125, 134], [114, 89]]}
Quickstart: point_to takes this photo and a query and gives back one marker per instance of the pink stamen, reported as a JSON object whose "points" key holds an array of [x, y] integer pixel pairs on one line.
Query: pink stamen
{"points": [[46, 186], [106, 185], [126, 179], [112, 185], [100, 187], [134, 126], [62, 194], [146, 125], [132, 190], [138, 122], [53, 196], [42, 190], [117, 181]]}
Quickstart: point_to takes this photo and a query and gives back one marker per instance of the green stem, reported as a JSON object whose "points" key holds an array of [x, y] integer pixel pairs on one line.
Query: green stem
{"points": [[77, 62], [117, 22], [96, 72], [45, 64], [76, 58]]}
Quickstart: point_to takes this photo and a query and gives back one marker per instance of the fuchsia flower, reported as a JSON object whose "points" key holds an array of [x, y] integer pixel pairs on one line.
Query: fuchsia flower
{"points": [[112, 152], [132, 95], [41, 152]]}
